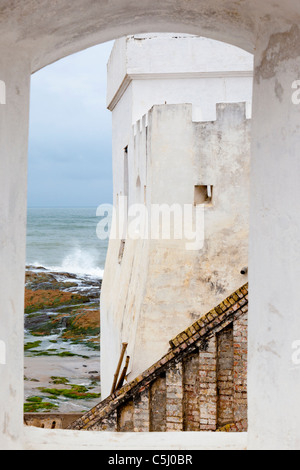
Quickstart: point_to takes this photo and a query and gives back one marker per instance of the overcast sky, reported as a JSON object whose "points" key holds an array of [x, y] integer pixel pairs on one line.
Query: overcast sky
{"points": [[70, 133]]}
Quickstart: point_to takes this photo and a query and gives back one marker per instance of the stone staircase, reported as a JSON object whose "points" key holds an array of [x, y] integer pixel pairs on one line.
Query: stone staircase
{"points": [[199, 385]]}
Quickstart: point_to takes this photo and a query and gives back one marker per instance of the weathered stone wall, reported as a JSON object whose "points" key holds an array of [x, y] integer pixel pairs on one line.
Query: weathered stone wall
{"points": [[125, 418], [174, 398], [208, 386], [161, 281], [205, 390], [142, 411], [225, 376], [158, 412], [191, 389], [50, 420], [200, 385], [240, 379]]}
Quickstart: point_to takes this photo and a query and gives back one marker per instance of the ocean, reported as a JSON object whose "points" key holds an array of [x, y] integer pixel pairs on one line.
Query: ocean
{"points": [[64, 239], [65, 265]]}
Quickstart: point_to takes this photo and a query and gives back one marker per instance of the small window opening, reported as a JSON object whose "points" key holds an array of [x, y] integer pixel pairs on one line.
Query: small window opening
{"points": [[121, 252], [138, 189], [126, 175], [203, 195], [126, 179]]}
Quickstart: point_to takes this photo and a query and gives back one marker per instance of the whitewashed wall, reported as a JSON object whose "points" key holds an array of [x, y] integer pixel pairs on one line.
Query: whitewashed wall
{"points": [[160, 287], [33, 37]]}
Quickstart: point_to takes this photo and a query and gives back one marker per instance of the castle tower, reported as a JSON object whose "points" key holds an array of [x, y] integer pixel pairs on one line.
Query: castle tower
{"points": [[181, 109]]}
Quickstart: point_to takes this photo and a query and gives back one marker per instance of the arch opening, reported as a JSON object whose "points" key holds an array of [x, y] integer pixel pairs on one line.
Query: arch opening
{"points": [[199, 116]]}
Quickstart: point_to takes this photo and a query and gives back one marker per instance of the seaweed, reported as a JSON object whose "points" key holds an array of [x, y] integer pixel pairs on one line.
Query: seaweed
{"points": [[77, 392]]}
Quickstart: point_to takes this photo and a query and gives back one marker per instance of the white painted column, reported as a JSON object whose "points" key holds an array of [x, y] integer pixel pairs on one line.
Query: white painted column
{"points": [[14, 111], [274, 317]]}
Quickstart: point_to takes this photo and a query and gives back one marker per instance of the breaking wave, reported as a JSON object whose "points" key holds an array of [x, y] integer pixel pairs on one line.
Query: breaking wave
{"points": [[78, 262]]}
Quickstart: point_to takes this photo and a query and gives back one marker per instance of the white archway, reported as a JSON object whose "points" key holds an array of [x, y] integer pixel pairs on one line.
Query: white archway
{"points": [[34, 34]]}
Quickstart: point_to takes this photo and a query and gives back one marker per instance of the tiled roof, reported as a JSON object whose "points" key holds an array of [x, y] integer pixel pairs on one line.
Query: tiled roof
{"points": [[184, 343]]}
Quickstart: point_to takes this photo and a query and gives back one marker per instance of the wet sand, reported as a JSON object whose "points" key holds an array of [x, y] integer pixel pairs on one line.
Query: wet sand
{"points": [[76, 370]]}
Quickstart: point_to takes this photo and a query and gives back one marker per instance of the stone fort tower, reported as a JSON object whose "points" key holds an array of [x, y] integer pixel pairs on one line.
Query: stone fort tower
{"points": [[181, 109]]}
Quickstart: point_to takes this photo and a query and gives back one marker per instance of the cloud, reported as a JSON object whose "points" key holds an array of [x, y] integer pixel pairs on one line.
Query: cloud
{"points": [[70, 132]]}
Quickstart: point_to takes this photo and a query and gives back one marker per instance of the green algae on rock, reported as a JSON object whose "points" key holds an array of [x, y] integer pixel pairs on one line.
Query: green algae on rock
{"points": [[36, 404], [77, 392], [62, 326]]}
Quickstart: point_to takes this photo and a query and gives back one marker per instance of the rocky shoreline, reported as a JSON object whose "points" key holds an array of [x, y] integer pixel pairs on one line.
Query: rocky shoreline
{"points": [[62, 342]]}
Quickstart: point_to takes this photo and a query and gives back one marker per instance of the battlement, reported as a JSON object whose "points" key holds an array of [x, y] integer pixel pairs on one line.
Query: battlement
{"points": [[141, 124], [221, 112]]}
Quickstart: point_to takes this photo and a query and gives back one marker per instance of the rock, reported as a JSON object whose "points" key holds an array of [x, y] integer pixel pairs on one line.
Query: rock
{"points": [[42, 299]]}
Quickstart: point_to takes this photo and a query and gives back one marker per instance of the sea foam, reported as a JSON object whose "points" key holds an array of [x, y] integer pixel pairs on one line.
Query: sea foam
{"points": [[78, 262]]}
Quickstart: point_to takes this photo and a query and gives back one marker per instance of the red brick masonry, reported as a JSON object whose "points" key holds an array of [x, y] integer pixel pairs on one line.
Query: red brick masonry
{"points": [[199, 385]]}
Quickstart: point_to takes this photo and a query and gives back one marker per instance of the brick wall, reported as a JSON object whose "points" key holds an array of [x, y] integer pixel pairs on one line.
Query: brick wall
{"points": [[126, 417], [142, 411], [208, 386], [158, 394], [240, 352], [191, 389], [174, 398], [225, 413], [199, 385]]}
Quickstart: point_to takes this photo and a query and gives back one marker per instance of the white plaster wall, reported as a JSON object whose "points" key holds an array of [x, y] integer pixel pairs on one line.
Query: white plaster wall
{"points": [[274, 376], [15, 72], [45, 439], [120, 300], [48, 31], [118, 62], [204, 93], [121, 130], [182, 285], [160, 288], [139, 295], [52, 30], [146, 53], [164, 55], [178, 69]]}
